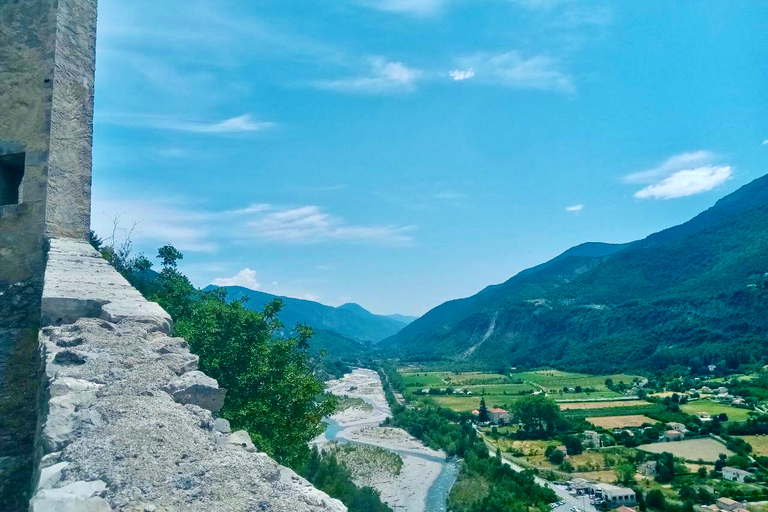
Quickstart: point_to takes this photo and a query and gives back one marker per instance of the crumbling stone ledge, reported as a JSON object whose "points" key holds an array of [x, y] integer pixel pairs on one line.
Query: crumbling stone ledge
{"points": [[128, 420]]}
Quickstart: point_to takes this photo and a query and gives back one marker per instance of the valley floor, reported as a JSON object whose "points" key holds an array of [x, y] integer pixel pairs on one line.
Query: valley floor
{"points": [[406, 491]]}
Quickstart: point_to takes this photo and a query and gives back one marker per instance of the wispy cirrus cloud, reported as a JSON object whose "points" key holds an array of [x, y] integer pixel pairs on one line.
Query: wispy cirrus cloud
{"points": [[681, 175], [311, 225], [670, 165], [251, 208], [381, 77], [412, 7], [245, 123], [513, 69], [575, 208], [161, 220]]}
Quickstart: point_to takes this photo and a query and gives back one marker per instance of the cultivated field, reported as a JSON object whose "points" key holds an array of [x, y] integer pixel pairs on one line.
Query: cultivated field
{"points": [[568, 406], [759, 444], [502, 390], [555, 380], [706, 449], [713, 408], [607, 476], [630, 420]]}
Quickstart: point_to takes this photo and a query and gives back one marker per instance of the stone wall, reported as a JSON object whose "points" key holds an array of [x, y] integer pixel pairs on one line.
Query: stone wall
{"points": [[68, 206], [128, 422]]}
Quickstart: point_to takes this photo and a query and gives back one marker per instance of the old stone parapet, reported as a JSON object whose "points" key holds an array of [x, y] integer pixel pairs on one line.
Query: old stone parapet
{"points": [[127, 420]]}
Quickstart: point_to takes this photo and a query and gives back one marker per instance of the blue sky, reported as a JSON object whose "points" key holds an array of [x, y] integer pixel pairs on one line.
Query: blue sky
{"points": [[400, 153]]}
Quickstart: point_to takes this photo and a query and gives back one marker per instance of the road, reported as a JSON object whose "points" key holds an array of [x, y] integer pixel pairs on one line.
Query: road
{"points": [[581, 502]]}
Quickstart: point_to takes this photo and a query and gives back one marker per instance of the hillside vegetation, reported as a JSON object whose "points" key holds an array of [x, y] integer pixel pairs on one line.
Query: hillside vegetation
{"points": [[694, 294], [344, 324]]}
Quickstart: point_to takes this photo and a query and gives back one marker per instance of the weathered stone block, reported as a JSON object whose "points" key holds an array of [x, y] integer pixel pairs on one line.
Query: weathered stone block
{"points": [[197, 388]]}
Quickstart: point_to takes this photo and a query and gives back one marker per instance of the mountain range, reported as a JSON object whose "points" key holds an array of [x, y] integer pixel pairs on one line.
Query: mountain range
{"points": [[343, 330], [692, 294]]}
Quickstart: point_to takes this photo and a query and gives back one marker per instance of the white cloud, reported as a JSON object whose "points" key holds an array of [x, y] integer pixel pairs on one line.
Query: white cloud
{"points": [[240, 124], [672, 164], [459, 75], [512, 69], [245, 278], [157, 221], [152, 222], [413, 7], [575, 208], [681, 175], [384, 77], [687, 183], [309, 224], [765, 142], [251, 208]]}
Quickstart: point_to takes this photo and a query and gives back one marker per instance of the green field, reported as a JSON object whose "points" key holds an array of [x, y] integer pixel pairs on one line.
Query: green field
{"points": [[422, 380], [759, 444], [706, 449], [556, 380], [501, 391], [713, 408]]}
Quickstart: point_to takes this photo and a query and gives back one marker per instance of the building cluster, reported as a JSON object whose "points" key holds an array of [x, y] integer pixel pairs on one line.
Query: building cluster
{"points": [[727, 505], [599, 493], [497, 415]]}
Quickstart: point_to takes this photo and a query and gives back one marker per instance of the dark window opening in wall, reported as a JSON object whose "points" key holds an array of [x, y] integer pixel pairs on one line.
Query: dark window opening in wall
{"points": [[11, 174]]}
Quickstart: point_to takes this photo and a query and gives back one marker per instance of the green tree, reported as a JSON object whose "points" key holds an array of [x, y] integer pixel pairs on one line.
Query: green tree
{"points": [[483, 415], [573, 445], [625, 474], [271, 387], [169, 256], [537, 414], [655, 500], [556, 457]]}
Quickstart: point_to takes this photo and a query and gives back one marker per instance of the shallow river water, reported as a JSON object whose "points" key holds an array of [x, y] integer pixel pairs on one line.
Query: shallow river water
{"points": [[372, 393]]}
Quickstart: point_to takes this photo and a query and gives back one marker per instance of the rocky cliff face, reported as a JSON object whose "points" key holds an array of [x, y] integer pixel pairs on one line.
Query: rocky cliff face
{"points": [[127, 421]]}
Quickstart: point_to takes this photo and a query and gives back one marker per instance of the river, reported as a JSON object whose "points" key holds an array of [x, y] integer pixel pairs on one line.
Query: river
{"points": [[426, 477]]}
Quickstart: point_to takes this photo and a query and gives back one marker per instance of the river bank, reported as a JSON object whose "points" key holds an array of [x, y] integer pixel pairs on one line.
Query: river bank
{"points": [[425, 477]]}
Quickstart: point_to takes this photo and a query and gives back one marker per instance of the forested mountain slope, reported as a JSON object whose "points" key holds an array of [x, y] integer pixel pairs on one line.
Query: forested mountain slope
{"points": [[348, 321], [692, 294]]}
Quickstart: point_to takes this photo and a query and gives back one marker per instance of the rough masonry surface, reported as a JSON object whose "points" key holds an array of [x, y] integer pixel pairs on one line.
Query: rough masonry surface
{"points": [[129, 422]]}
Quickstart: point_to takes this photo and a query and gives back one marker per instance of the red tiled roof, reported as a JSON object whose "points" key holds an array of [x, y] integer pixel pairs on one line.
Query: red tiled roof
{"points": [[498, 411]]}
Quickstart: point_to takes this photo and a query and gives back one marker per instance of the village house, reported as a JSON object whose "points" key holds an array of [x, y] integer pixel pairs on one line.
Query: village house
{"points": [[564, 451], [580, 484], [591, 439], [735, 474], [498, 415], [673, 435], [679, 427], [615, 495], [648, 468], [728, 504]]}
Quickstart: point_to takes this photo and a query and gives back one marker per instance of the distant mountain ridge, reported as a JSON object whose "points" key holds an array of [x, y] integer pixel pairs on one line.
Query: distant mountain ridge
{"points": [[690, 293], [348, 321]]}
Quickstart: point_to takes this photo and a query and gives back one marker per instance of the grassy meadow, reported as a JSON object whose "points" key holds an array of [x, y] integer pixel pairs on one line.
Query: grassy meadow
{"points": [[714, 408], [502, 390]]}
